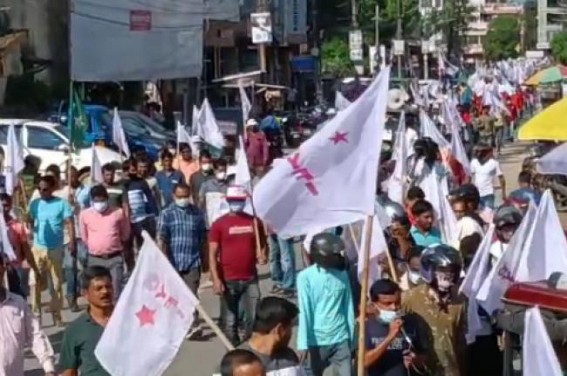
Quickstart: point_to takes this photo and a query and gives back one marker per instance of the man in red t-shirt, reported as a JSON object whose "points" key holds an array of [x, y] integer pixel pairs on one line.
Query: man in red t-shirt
{"points": [[233, 254]]}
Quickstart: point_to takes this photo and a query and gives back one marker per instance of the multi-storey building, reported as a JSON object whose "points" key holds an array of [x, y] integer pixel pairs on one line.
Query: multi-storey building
{"points": [[551, 15]]}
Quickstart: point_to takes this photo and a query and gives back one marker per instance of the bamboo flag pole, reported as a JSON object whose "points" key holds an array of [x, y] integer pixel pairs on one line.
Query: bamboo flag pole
{"points": [[364, 299]]}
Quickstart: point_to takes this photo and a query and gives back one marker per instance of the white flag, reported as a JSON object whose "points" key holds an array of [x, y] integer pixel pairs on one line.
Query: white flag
{"points": [[14, 162], [397, 182], [539, 357], [331, 179], [183, 135], [7, 248], [152, 316], [118, 135], [208, 129], [96, 168], [242, 176], [195, 121], [245, 103], [377, 247], [341, 102], [429, 129], [477, 273]]}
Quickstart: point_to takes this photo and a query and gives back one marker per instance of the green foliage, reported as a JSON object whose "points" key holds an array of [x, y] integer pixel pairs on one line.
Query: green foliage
{"points": [[502, 39], [530, 27], [559, 47], [388, 18], [335, 58]]}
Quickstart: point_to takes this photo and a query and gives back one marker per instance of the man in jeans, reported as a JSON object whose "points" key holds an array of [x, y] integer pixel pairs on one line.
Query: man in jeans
{"points": [[233, 257], [282, 265], [49, 216], [181, 233], [105, 231]]}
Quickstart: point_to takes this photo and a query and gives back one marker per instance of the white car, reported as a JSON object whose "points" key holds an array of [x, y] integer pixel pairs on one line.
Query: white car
{"points": [[45, 140]]}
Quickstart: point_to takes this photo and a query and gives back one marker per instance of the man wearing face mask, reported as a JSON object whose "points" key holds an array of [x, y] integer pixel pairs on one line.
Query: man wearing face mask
{"points": [[441, 310], [411, 276], [257, 146], [213, 187], [205, 173], [181, 234], [393, 343], [105, 231], [233, 256]]}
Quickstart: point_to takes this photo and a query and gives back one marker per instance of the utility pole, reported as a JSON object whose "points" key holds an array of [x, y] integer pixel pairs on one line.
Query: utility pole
{"points": [[354, 14], [399, 34], [260, 8]]}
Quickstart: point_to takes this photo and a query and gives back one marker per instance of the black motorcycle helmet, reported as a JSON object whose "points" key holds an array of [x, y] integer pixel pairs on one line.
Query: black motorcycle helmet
{"points": [[507, 215], [327, 251], [440, 256]]}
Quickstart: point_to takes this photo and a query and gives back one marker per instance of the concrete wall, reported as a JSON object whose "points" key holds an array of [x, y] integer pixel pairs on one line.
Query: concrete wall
{"points": [[46, 22]]}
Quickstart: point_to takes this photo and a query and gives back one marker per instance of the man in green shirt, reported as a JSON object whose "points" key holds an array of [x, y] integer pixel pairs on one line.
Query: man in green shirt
{"points": [[81, 337]]}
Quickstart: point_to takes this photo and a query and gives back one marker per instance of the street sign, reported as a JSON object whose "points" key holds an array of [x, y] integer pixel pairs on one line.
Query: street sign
{"points": [[261, 28], [355, 45], [399, 47]]}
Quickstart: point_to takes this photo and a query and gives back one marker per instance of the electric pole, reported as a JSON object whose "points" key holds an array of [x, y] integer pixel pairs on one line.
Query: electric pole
{"points": [[399, 34], [354, 14]]}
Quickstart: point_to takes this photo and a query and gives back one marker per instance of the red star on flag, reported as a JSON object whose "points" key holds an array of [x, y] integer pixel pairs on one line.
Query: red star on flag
{"points": [[146, 316], [339, 137]]}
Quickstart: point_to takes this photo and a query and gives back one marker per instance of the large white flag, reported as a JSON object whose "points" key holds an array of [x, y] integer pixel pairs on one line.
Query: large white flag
{"points": [[535, 259], [475, 276], [457, 148], [397, 182], [331, 179], [150, 320], [341, 102], [245, 103], [208, 128], [538, 355], [14, 161], [118, 135], [96, 168]]}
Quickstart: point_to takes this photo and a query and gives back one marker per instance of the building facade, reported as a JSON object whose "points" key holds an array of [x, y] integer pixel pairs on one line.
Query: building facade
{"points": [[551, 15]]}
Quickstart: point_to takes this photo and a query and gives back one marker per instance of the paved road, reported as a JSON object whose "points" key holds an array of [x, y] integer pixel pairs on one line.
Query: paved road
{"points": [[201, 358]]}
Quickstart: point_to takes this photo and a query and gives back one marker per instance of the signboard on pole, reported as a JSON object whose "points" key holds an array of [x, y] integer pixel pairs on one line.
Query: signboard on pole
{"points": [[399, 47], [355, 45], [261, 28]]}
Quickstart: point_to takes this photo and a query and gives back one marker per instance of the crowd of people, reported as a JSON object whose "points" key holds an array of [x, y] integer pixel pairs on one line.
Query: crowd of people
{"points": [[87, 234]]}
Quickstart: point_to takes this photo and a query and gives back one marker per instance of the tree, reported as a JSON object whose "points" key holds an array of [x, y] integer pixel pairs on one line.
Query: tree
{"points": [[335, 57], [503, 38], [559, 47]]}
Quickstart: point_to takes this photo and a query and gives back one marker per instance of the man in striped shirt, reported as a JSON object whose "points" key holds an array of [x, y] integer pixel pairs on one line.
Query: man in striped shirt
{"points": [[181, 233]]}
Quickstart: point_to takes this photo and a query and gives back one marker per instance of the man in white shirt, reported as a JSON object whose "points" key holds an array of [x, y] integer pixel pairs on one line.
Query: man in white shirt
{"points": [[484, 168], [18, 329], [465, 201]]}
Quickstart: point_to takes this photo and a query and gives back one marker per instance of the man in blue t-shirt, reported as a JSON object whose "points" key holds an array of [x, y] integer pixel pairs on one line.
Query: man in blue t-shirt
{"points": [[168, 178], [525, 192], [49, 216], [394, 344]]}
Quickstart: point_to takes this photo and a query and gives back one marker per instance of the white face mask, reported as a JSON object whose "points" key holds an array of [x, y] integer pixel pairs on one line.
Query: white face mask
{"points": [[182, 202], [100, 206], [206, 167], [237, 206], [220, 175], [172, 151], [414, 277], [444, 281]]}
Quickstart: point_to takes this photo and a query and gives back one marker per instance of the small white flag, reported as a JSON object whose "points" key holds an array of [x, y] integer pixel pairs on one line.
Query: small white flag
{"points": [[245, 103], [7, 248], [242, 176], [96, 168], [14, 162], [477, 273], [397, 183], [538, 355], [429, 129], [183, 135], [331, 179], [208, 129], [118, 135], [195, 121], [152, 316]]}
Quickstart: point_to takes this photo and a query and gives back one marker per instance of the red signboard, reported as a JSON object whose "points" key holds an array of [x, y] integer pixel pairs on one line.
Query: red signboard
{"points": [[140, 20]]}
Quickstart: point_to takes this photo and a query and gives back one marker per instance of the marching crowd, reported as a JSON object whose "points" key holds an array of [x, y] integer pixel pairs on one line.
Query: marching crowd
{"points": [[87, 234]]}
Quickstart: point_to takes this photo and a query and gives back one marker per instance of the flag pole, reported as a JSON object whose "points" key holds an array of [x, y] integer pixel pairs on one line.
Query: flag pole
{"points": [[364, 299], [214, 327]]}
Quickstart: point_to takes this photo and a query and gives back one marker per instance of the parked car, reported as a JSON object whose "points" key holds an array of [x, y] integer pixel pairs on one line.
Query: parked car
{"points": [[48, 141]]}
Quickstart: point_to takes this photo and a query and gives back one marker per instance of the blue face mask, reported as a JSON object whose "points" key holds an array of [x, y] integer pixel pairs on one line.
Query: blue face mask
{"points": [[388, 316], [237, 206]]}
